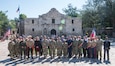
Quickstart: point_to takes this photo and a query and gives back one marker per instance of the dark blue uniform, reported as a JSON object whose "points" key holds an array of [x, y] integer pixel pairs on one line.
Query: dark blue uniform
{"points": [[106, 48], [69, 42]]}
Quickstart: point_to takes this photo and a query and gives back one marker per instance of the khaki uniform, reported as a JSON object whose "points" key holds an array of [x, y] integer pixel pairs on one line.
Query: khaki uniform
{"points": [[99, 48], [45, 47], [75, 48], [59, 47], [30, 46], [30, 43], [52, 46], [64, 48], [11, 48]]}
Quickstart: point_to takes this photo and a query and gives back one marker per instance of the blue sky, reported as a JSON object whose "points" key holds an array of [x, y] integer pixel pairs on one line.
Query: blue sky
{"points": [[34, 8]]}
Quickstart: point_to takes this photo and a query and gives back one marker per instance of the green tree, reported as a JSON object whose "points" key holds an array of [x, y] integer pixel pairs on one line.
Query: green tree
{"points": [[90, 16], [99, 14], [22, 16], [12, 24], [71, 11], [3, 23]]}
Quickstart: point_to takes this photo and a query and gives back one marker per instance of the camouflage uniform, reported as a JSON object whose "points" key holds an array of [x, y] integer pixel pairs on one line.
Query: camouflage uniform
{"points": [[11, 48], [80, 48], [59, 47], [52, 46], [75, 48], [23, 48], [64, 48], [17, 47], [45, 47]]}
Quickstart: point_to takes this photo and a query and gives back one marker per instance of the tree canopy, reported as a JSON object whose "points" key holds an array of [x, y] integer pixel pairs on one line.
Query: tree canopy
{"points": [[99, 14], [3, 22], [22, 16], [6, 23], [71, 11]]}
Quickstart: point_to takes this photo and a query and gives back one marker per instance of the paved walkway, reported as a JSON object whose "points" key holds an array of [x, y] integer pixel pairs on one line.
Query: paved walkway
{"points": [[5, 61]]}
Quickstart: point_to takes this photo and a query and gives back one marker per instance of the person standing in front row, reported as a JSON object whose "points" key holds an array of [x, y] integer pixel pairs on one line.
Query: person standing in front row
{"points": [[99, 48], [93, 48], [64, 48], [59, 47], [75, 47], [79, 47], [89, 48], [30, 46], [11, 46], [69, 42], [38, 46], [45, 46], [52, 46], [106, 48], [84, 46], [23, 47]]}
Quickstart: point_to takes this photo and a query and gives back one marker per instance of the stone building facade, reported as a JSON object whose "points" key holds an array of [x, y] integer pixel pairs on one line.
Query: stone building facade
{"points": [[52, 23]]}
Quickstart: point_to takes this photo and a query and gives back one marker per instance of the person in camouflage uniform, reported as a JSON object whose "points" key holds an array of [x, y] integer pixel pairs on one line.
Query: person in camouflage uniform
{"points": [[23, 47], [64, 48], [11, 46], [45, 46], [75, 47], [79, 47], [52, 46], [59, 47], [17, 47]]}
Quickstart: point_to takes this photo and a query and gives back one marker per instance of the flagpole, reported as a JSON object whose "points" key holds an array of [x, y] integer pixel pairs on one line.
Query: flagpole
{"points": [[18, 10], [19, 21]]}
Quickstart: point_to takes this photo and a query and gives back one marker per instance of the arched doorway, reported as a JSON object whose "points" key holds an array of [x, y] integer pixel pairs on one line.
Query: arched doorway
{"points": [[53, 32]]}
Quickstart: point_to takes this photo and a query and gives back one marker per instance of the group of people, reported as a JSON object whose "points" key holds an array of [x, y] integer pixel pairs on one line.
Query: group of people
{"points": [[67, 47]]}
